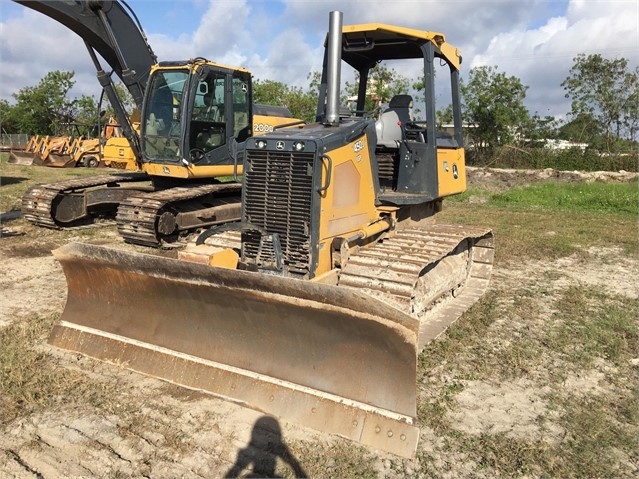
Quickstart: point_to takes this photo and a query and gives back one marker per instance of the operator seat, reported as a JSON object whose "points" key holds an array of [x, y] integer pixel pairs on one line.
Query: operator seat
{"points": [[152, 125], [389, 125]]}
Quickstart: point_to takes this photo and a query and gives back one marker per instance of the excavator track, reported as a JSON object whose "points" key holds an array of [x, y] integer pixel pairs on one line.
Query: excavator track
{"points": [[65, 204], [433, 274], [152, 219]]}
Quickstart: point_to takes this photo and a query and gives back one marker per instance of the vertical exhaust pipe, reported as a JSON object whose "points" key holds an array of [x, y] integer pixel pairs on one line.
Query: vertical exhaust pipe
{"points": [[334, 67]]}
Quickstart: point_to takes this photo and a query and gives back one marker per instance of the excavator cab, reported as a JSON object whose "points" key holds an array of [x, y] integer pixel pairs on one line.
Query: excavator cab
{"points": [[195, 113]]}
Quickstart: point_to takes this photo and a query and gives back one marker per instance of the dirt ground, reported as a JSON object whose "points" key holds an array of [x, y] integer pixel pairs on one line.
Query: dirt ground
{"points": [[156, 429]]}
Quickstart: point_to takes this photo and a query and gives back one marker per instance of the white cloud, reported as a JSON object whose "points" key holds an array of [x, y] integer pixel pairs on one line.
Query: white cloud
{"points": [[541, 58], [284, 44], [31, 46]]}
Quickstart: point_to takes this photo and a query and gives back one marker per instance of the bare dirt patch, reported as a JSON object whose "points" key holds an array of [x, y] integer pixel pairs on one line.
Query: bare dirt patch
{"points": [[135, 426], [497, 180]]}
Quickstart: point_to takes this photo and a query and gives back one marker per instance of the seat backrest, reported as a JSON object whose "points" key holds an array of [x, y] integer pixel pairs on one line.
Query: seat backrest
{"points": [[152, 125], [389, 125]]}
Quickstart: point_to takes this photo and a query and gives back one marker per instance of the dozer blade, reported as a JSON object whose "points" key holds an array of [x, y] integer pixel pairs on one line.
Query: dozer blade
{"points": [[22, 158], [59, 161], [330, 358]]}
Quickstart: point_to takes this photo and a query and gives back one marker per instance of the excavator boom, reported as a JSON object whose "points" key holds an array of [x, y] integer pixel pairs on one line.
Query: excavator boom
{"points": [[109, 30]]}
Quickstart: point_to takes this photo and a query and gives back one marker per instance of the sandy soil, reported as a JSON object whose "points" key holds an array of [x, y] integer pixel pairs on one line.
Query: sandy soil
{"points": [[161, 430]]}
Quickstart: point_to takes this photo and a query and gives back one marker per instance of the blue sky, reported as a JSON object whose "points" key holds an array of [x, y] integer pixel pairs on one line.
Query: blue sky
{"points": [[534, 40]]}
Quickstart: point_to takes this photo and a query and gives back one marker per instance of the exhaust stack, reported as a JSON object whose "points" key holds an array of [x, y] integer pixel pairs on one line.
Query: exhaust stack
{"points": [[334, 67]]}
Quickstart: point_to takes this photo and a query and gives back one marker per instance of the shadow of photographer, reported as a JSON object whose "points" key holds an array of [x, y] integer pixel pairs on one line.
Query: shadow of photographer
{"points": [[261, 453]]}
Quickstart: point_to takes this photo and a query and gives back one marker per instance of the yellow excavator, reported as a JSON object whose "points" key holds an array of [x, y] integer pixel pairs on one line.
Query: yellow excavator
{"points": [[188, 160], [315, 305]]}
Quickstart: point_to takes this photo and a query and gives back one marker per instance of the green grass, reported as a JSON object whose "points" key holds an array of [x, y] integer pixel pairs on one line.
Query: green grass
{"points": [[588, 331], [552, 220], [595, 326], [538, 335], [15, 179], [608, 198], [29, 381]]}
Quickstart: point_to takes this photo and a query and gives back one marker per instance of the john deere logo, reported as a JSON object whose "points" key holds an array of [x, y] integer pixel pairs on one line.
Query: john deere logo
{"points": [[279, 145]]}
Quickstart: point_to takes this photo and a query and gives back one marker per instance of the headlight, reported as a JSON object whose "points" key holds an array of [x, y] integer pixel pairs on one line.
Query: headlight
{"points": [[298, 145], [261, 144]]}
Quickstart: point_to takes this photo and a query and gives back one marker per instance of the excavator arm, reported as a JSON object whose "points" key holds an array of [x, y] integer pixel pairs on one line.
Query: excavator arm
{"points": [[108, 30]]}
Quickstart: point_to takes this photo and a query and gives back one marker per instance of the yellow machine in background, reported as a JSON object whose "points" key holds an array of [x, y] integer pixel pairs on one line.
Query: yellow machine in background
{"points": [[26, 156], [320, 298], [39, 149], [117, 153]]}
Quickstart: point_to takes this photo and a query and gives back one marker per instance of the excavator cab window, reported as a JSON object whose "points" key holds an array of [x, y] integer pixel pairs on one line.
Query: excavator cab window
{"points": [[208, 121], [241, 98], [161, 131]]}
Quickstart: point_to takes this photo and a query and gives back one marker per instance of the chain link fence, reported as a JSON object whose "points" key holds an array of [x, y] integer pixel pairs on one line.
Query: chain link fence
{"points": [[14, 141]]}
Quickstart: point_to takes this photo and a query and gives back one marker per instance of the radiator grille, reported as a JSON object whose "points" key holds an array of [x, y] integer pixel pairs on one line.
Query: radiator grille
{"points": [[278, 189]]}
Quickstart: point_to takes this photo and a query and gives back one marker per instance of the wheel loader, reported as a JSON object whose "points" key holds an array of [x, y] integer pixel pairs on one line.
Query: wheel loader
{"points": [[25, 157], [315, 305], [32, 154], [182, 155], [110, 149]]}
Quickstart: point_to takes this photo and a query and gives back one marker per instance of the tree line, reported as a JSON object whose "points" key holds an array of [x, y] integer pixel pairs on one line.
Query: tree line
{"points": [[604, 96]]}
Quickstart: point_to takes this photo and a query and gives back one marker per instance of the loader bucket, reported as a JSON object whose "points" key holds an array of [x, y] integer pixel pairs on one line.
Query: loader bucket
{"points": [[22, 157], [332, 359], [59, 161]]}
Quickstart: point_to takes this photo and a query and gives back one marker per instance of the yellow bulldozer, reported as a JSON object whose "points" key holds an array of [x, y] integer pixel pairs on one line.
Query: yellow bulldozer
{"points": [[315, 305]]}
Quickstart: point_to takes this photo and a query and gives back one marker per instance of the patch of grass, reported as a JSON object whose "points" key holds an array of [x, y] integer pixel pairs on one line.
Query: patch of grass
{"points": [[16, 179], [524, 232], [598, 442], [585, 330], [29, 379], [609, 198], [595, 325], [339, 458], [474, 358], [552, 219]]}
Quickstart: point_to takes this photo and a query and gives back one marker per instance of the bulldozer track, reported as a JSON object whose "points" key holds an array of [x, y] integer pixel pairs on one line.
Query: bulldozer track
{"points": [[139, 218], [415, 271], [38, 202]]}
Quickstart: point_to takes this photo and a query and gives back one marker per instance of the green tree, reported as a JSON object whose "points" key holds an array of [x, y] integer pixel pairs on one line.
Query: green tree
{"points": [[630, 108], [45, 107], [86, 114], [125, 98], [383, 84], [6, 121], [493, 105], [538, 128], [444, 116], [607, 91], [583, 128], [301, 103]]}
